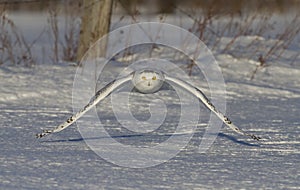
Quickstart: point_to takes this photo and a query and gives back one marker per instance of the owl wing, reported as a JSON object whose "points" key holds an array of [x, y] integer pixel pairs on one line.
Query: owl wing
{"points": [[100, 95], [200, 95]]}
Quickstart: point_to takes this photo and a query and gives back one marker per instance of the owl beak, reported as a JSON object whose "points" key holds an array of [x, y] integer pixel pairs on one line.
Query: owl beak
{"points": [[149, 83]]}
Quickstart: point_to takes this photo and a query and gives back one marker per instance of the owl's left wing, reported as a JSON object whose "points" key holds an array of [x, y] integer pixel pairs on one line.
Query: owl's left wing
{"points": [[100, 95], [200, 95]]}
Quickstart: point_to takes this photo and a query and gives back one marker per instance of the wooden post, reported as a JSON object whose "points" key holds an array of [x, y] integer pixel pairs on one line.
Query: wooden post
{"points": [[95, 24]]}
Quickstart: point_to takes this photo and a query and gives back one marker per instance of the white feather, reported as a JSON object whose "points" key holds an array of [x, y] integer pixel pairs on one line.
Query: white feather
{"points": [[100, 95], [146, 81]]}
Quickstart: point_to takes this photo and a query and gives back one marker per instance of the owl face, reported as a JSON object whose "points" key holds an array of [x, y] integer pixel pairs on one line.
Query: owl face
{"points": [[148, 81]]}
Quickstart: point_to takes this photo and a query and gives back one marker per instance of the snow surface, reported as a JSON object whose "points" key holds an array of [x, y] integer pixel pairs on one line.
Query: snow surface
{"points": [[32, 99]]}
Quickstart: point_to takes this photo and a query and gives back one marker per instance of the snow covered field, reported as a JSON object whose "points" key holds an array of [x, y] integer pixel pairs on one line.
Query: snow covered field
{"points": [[37, 98]]}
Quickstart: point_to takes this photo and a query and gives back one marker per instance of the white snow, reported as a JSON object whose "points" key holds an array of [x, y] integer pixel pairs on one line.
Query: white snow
{"points": [[32, 99]]}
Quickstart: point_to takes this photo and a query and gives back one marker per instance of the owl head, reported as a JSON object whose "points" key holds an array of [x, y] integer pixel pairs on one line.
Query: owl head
{"points": [[148, 81]]}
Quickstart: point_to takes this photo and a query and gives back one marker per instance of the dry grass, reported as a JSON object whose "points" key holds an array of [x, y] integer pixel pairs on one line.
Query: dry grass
{"points": [[14, 48], [256, 25], [64, 37], [210, 26]]}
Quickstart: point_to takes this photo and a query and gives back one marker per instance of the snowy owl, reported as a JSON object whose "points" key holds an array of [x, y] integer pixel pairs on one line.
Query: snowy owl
{"points": [[146, 81]]}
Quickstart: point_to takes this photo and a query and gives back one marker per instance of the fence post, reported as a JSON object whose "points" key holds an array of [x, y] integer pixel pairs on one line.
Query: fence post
{"points": [[95, 24]]}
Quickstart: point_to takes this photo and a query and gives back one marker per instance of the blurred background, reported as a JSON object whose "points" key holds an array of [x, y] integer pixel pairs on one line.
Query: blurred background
{"points": [[43, 31], [165, 6]]}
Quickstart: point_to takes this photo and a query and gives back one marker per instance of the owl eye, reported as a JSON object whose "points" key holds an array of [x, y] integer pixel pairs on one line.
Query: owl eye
{"points": [[154, 78], [143, 77]]}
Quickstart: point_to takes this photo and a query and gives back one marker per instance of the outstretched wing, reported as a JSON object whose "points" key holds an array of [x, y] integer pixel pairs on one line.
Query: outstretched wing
{"points": [[100, 95], [199, 94]]}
